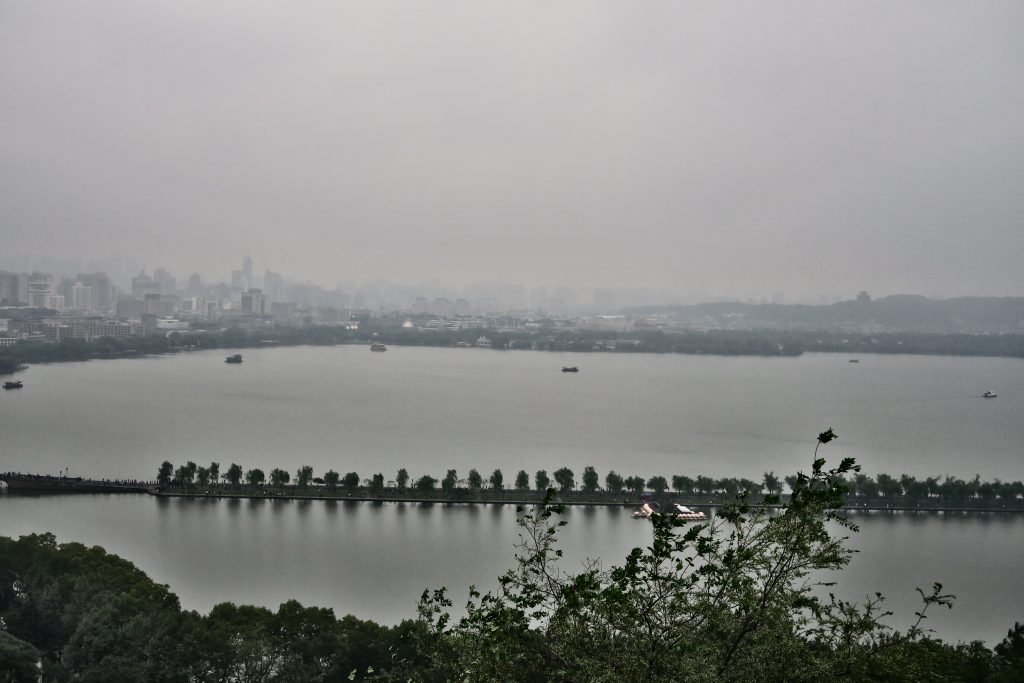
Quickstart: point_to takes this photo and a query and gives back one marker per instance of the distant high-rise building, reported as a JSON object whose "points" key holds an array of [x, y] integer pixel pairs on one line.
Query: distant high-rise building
{"points": [[13, 288], [40, 291], [254, 302], [143, 284], [159, 305], [273, 286], [166, 281], [81, 297], [102, 290], [245, 275], [195, 284]]}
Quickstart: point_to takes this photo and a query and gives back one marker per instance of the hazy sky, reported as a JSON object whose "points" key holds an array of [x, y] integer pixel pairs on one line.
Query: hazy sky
{"points": [[713, 148]]}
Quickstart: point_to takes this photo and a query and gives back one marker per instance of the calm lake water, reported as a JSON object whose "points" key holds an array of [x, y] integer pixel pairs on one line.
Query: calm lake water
{"points": [[433, 409]]}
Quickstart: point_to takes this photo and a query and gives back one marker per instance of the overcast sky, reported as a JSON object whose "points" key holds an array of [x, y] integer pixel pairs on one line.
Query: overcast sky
{"points": [[712, 148]]}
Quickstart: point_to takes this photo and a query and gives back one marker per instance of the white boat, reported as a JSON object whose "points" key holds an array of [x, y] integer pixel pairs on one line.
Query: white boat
{"points": [[683, 512], [989, 394], [680, 511], [644, 512]]}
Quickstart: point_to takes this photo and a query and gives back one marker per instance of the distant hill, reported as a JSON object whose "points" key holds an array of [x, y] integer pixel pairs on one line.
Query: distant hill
{"points": [[903, 312]]}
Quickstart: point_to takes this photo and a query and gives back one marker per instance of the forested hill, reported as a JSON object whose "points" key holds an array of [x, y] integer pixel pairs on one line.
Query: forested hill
{"points": [[896, 313]]}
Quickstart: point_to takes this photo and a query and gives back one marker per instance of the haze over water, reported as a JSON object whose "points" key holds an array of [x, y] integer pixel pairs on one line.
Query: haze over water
{"points": [[430, 409]]}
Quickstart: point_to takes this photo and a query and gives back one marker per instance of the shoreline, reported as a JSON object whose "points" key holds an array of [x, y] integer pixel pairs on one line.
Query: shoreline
{"points": [[573, 500]]}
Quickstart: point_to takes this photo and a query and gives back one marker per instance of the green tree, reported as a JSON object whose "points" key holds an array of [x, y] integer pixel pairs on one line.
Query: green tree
{"points": [[234, 475], [203, 476], [590, 480], [613, 482], [350, 482], [772, 484], [635, 484], [402, 479], [377, 483], [522, 481], [255, 477], [657, 484], [183, 476], [304, 476], [279, 477], [566, 480], [425, 484], [682, 484], [497, 480], [450, 481], [475, 480], [331, 479], [214, 472], [733, 604], [164, 474], [17, 660], [889, 486], [541, 480]]}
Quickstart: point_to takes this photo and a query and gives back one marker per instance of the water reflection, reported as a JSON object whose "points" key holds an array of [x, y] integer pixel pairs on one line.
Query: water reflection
{"points": [[374, 559]]}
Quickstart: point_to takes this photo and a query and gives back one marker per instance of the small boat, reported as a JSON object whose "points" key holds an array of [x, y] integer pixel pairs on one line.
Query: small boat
{"points": [[646, 511], [683, 512], [378, 347], [13, 384], [570, 368], [989, 394], [237, 358], [853, 360]]}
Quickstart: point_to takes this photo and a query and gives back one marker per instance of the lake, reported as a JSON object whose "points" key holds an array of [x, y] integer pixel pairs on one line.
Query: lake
{"points": [[430, 409]]}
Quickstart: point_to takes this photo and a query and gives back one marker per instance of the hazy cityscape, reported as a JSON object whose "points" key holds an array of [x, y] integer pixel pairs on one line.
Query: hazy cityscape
{"points": [[519, 342]]}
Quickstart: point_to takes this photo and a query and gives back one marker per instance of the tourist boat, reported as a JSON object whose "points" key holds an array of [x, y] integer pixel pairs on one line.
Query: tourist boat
{"points": [[683, 512], [646, 511], [13, 384], [989, 394], [378, 347], [237, 358], [570, 368]]}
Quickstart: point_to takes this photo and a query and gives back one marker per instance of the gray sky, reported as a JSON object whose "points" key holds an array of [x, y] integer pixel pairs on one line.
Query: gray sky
{"points": [[712, 148]]}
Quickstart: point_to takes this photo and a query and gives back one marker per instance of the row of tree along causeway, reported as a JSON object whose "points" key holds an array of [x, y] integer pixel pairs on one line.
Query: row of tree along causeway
{"points": [[860, 491], [729, 600]]}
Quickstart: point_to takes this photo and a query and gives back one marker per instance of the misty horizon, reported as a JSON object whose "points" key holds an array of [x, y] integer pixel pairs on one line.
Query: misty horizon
{"points": [[729, 151]]}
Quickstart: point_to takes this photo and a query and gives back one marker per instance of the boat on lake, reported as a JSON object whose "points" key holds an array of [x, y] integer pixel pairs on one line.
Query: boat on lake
{"points": [[378, 347], [989, 394], [13, 384], [570, 368], [237, 358], [648, 510], [853, 360]]}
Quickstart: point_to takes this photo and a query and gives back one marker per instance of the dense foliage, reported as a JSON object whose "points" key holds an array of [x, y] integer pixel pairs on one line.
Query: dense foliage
{"points": [[87, 615], [729, 600]]}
